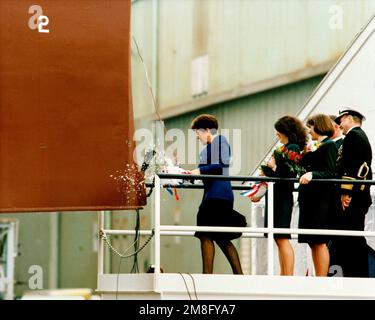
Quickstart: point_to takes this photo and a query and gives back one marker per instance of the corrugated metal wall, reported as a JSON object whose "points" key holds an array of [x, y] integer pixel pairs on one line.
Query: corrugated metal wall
{"points": [[247, 42], [142, 32], [255, 116]]}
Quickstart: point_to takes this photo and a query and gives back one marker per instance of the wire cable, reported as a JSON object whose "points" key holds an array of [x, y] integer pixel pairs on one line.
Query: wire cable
{"points": [[118, 276], [136, 244], [187, 289], [154, 102], [149, 84], [195, 290], [136, 250]]}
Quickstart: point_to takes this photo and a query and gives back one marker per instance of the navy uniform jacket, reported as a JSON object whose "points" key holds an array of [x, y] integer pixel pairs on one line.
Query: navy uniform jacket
{"points": [[355, 150], [351, 253]]}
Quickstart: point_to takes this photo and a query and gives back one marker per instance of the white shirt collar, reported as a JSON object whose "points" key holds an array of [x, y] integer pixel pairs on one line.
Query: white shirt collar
{"points": [[352, 129], [338, 138]]}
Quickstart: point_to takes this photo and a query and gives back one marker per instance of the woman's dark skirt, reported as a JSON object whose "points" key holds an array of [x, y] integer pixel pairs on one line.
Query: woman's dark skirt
{"points": [[316, 209], [282, 209], [219, 213]]}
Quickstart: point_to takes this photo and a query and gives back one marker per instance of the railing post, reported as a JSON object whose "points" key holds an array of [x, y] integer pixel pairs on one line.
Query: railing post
{"points": [[270, 239], [157, 234], [10, 262], [100, 243]]}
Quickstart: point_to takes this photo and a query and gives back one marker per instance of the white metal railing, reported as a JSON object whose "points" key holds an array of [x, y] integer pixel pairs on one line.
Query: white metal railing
{"points": [[250, 232]]}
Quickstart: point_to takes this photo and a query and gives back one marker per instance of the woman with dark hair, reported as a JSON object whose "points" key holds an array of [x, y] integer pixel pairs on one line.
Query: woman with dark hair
{"points": [[316, 201], [216, 208], [292, 134]]}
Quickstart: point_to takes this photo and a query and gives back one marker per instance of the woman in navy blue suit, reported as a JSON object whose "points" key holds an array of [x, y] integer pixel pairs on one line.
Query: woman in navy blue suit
{"points": [[216, 208]]}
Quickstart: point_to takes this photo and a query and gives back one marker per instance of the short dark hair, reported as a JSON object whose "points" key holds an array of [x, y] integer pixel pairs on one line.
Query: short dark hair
{"points": [[294, 129], [333, 118], [205, 121], [322, 124]]}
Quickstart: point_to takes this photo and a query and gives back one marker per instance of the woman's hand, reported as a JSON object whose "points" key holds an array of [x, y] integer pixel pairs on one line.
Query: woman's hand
{"points": [[195, 172], [306, 178], [254, 199], [272, 163]]}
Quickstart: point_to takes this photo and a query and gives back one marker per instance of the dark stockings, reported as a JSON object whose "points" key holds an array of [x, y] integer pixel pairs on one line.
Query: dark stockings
{"points": [[208, 254]]}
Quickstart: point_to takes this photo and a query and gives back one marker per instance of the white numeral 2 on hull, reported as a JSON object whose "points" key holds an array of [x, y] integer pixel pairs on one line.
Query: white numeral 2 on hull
{"points": [[38, 20]]}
